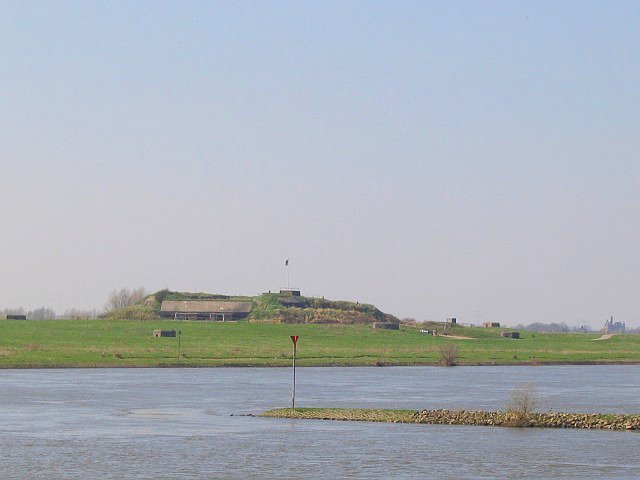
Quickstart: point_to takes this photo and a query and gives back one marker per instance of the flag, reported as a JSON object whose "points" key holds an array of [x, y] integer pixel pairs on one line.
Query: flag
{"points": [[286, 262]]}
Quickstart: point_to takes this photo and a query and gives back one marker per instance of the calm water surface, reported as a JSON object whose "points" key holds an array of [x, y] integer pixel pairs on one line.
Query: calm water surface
{"points": [[178, 423]]}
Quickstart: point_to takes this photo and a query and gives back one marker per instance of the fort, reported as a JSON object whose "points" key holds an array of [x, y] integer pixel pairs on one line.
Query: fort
{"points": [[283, 306]]}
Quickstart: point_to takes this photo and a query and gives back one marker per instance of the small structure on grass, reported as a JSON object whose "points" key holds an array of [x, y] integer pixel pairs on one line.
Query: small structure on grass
{"points": [[215, 310], [290, 297], [387, 325], [491, 324], [164, 333], [289, 292], [510, 334]]}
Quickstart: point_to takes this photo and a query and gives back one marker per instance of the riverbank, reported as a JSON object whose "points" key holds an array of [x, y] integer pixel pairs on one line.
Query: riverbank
{"points": [[466, 417], [131, 343]]}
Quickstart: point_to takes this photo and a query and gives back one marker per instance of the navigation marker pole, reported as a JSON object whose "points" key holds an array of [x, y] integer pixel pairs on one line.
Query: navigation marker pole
{"points": [[294, 339]]}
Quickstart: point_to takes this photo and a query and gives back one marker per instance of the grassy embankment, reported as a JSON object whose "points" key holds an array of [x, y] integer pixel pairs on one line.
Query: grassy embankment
{"points": [[608, 421], [129, 343]]}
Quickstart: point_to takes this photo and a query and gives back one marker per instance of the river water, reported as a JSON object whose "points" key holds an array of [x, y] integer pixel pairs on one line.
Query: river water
{"points": [[187, 424]]}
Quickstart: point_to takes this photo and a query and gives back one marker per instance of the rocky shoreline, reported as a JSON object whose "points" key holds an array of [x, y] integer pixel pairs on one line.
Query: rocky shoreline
{"points": [[599, 421], [539, 420]]}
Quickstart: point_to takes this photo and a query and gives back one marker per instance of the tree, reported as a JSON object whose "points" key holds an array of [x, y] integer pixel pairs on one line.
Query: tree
{"points": [[79, 313], [448, 354], [41, 314], [124, 297], [523, 401]]}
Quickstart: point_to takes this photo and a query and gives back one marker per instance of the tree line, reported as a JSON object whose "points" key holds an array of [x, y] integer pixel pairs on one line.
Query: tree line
{"points": [[117, 299], [562, 328]]}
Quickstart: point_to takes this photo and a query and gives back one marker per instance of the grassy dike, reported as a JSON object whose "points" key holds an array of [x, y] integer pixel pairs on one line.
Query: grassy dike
{"points": [[130, 343], [466, 417]]}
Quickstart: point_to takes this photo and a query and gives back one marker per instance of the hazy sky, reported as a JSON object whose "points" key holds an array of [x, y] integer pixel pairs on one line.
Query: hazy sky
{"points": [[469, 159]]}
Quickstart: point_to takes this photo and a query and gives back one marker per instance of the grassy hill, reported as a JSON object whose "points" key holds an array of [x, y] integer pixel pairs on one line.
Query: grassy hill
{"points": [[267, 307]]}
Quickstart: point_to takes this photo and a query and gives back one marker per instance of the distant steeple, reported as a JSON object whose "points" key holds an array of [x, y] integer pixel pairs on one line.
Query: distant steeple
{"points": [[613, 327]]}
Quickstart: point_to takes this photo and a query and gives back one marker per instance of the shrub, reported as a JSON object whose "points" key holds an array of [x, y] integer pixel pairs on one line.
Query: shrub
{"points": [[448, 354], [523, 401]]}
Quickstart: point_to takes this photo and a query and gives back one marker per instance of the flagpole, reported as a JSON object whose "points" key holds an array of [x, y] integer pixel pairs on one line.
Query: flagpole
{"points": [[286, 266]]}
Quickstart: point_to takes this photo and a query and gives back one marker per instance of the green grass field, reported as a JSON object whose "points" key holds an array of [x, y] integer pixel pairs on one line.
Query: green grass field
{"points": [[129, 343]]}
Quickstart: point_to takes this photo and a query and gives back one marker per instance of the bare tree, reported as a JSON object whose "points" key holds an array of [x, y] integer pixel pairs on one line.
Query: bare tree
{"points": [[78, 313], [523, 401], [13, 311], [41, 314], [448, 354], [123, 298]]}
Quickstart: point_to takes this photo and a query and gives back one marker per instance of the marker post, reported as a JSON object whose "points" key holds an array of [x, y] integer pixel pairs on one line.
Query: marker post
{"points": [[294, 339], [179, 337]]}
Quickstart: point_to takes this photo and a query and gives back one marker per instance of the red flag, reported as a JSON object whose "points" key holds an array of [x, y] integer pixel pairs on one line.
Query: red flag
{"points": [[286, 262]]}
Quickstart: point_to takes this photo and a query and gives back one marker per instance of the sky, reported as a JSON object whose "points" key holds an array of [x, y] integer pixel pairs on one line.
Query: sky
{"points": [[470, 159]]}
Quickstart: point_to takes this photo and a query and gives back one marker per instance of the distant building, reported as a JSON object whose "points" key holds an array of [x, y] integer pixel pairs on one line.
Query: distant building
{"points": [[491, 324], [387, 325], [216, 310], [164, 333], [511, 334], [611, 327], [290, 297], [290, 292]]}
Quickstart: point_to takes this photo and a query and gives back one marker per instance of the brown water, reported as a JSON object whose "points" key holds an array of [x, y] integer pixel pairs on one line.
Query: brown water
{"points": [[178, 423]]}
